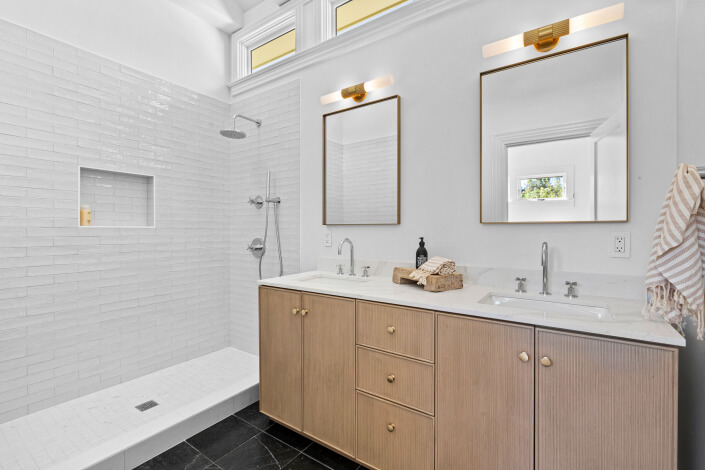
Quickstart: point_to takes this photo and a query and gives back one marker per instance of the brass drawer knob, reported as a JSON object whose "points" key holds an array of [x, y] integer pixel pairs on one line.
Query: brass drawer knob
{"points": [[294, 311], [304, 312], [391, 330], [546, 361], [391, 378], [523, 356], [390, 427]]}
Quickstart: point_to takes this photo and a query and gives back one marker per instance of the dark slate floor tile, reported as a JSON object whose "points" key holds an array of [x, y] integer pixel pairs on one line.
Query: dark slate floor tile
{"points": [[330, 458], [222, 437], [295, 440], [179, 457], [261, 452], [252, 415], [303, 462]]}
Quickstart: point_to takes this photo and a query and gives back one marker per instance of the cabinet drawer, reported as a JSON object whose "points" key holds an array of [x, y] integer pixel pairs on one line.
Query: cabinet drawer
{"points": [[390, 437], [395, 378], [396, 329]]}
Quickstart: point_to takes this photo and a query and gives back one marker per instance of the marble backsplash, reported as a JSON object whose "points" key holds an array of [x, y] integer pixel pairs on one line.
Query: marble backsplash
{"points": [[603, 285]]}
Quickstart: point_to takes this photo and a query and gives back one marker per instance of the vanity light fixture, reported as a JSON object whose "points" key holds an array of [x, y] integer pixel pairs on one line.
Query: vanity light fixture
{"points": [[358, 92], [546, 38]]}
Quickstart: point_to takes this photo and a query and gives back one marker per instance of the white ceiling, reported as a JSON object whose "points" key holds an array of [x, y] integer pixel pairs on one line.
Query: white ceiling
{"points": [[226, 15]]}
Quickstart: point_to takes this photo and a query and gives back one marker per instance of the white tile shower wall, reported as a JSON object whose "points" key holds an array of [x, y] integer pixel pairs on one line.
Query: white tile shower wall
{"points": [[274, 147], [370, 197], [118, 199], [81, 310]]}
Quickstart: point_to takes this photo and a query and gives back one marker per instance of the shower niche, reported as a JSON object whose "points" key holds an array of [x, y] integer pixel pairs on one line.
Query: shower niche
{"points": [[116, 199]]}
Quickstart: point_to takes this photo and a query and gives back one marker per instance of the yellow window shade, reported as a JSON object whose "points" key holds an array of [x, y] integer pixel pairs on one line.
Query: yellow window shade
{"points": [[356, 11], [274, 49]]}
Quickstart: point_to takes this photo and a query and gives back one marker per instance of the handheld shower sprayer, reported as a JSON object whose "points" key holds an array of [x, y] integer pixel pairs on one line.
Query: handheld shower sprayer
{"points": [[275, 201]]}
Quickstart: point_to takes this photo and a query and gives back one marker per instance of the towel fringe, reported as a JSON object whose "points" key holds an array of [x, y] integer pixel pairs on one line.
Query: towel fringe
{"points": [[667, 302]]}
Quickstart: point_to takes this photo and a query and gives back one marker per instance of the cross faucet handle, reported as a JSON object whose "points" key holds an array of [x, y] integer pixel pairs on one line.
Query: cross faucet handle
{"points": [[364, 272], [571, 289], [520, 287], [340, 269]]}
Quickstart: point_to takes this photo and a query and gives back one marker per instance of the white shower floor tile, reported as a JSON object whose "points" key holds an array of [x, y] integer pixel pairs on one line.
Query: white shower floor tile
{"points": [[88, 430]]}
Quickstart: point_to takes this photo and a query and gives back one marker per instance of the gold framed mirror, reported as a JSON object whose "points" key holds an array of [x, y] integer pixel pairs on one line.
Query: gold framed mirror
{"points": [[555, 137], [362, 164]]}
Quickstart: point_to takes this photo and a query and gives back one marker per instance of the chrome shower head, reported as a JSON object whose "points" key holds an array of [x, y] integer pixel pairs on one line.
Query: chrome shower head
{"points": [[234, 133]]}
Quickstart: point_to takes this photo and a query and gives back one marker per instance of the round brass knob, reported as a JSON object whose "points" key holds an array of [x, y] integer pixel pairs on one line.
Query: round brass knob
{"points": [[523, 356], [390, 427], [391, 378], [294, 311], [304, 312], [391, 329], [546, 361]]}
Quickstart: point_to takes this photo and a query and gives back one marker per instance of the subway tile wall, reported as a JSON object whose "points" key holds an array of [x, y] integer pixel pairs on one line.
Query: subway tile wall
{"points": [[274, 147], [354, 195], [335, 183], [117, 199], [84, 309], [370, 197]]}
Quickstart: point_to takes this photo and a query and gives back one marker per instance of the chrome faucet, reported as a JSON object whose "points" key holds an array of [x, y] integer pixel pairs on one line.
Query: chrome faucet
{"points": [[544, 264], [352, 255]]}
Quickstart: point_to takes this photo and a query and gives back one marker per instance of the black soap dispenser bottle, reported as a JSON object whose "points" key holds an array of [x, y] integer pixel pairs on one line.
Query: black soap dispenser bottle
{"points": [[421, 254]]}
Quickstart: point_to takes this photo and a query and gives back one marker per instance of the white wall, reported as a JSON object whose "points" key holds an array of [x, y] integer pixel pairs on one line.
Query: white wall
{"points": [[440, 137], [154, 36]]}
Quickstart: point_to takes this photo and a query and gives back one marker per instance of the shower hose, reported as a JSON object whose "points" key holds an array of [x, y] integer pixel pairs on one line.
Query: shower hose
{"points": [[279, 245]]}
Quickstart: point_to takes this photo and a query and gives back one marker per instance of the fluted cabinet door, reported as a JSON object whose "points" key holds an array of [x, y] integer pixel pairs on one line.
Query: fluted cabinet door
{"points": [[329, 371], [484, 395], [604, 404], [280, 350]]}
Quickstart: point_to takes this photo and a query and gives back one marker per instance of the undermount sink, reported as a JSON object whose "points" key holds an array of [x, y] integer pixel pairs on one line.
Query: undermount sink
{"points": [[550, 305], [332, 279]]}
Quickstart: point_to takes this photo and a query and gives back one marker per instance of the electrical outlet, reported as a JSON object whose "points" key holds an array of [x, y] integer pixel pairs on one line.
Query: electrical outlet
{"points": [[620, 245], [327, 238]]}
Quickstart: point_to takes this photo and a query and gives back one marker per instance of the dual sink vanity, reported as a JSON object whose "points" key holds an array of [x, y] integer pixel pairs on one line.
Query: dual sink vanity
{"points": [[394, 377]]}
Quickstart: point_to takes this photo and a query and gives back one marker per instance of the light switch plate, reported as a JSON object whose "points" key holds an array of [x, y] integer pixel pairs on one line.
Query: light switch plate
{"points": [[620, 245], [327, 238]]}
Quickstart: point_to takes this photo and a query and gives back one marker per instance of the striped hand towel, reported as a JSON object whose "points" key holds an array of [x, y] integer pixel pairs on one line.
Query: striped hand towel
{"points": [[674, 284], [435, 265]]}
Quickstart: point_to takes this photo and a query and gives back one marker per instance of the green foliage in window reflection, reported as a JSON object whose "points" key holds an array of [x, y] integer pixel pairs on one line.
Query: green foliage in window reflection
{"points": [[542, 188]]}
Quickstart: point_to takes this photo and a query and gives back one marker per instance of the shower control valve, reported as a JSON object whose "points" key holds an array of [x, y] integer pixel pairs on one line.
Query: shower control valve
{"points": [[257, 201], [256, 247]]}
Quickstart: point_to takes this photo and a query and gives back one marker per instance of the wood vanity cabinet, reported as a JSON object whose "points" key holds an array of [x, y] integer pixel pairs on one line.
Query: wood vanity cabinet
{"points": [[604, 403], [280, 356], [397, 388], [570, 401], [307, 365], [484, 394], [329, 371]]}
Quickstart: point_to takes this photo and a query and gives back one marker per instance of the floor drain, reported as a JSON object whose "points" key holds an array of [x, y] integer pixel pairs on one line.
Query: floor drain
{"points": [[147, 405]]}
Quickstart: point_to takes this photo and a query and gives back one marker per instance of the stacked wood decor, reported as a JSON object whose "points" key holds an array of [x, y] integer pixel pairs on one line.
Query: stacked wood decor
{"points": [[434, 282]]}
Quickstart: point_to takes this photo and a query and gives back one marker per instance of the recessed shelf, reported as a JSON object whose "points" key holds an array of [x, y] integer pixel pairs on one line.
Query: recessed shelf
{"points": [[117, 199]]}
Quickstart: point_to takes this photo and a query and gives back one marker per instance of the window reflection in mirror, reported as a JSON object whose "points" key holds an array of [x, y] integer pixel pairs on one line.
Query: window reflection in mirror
{"points": [[554, 138]]}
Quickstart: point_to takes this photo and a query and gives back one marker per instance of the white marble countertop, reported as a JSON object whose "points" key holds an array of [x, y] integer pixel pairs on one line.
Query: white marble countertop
{"points": [[627, 321]]}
